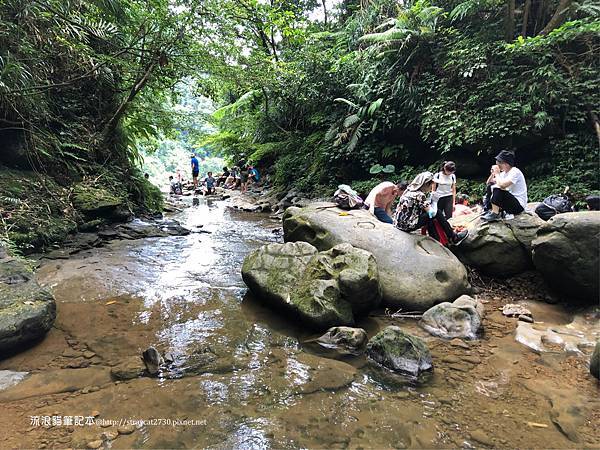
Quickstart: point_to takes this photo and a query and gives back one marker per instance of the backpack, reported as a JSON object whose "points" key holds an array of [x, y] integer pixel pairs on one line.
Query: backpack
{"points": [[552, 205], [347, 198]]}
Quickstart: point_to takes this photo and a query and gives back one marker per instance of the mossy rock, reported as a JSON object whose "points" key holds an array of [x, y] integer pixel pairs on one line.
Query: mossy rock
{"points": [[323, 289], [400, 351], [37, 210], [27, 311]]}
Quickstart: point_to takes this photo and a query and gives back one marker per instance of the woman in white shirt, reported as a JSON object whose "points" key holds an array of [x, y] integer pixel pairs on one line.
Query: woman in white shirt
{"points": [[509, 192], [445, 188]]}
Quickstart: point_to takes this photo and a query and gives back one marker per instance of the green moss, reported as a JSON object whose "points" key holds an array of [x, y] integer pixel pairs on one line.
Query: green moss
{"points": [[89, 198]]}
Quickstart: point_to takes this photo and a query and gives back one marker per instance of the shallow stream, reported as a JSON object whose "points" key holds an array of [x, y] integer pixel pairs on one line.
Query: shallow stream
{"points": [[243, 377]]}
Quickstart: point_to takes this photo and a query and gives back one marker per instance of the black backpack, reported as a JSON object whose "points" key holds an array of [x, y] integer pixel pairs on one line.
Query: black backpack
{"points": [[553, 205]]}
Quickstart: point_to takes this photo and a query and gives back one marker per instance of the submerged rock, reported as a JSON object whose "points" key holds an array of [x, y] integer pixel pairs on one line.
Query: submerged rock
{"points": [[128, 369], [499, 249], [345, 340], [27, 311], [566, 252], [595, 361], [400, 351], [323, 289], [415, 271], [460, 319]]}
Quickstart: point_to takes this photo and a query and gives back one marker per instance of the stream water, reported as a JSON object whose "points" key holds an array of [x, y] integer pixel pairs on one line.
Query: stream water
{"points": [[244, 377]]}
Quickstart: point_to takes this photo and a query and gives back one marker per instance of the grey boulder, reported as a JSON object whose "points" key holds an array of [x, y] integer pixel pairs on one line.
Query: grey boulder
{"points": [[27, 311], [415, 271], [459, 319], [323, 289], [400, 351], [345, 340], [566, 252], [501, 248]]}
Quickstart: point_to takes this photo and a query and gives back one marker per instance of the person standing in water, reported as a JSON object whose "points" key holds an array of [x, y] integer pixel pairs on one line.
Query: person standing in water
{"points": [[195, 170]]}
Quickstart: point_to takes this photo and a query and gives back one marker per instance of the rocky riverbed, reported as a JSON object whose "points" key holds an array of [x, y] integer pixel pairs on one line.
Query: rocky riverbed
{"points": [[245, 376]]}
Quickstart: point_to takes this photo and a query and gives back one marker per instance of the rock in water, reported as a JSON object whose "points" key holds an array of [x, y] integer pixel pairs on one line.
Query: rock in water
{"points": [[346, 340], [415, 271], [460, 319], [400, 351], [323, 289], [152, 360], [27, 311], [566, 252], [499, 249], [595, 361]]}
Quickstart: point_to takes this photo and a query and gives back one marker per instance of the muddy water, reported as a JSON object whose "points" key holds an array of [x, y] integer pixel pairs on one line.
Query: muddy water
{"points": [[243, 377]]}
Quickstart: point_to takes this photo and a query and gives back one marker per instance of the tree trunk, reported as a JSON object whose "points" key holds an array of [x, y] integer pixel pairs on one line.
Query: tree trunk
{"points": [[526, 10], [135, 89], [324, 2], [509, 24], [560, 15]]}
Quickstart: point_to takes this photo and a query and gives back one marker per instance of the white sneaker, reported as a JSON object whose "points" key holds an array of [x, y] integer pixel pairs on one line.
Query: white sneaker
{"points": [[509, 216]]}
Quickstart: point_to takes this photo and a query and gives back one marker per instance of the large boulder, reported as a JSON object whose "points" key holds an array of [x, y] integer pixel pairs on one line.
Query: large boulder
{"points": [[99, 202], [27, 311], [566, 252], [499, 249], [415, 271], [324, 289], [400, 351], [460, 319]]}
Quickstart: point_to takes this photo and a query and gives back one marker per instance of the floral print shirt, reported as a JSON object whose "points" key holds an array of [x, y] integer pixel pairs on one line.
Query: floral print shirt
{"points": [[410, 207]]}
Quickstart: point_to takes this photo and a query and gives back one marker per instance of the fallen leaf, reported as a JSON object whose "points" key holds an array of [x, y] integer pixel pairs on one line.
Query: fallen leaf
{"points": [[343, 213], [111, 302]]}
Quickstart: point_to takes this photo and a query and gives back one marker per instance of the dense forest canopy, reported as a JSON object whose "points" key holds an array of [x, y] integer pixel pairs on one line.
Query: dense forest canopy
{"points": [[316, 92]]}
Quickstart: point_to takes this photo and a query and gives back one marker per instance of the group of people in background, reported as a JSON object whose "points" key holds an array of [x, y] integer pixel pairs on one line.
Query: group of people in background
{"points": [[237, 177], [430, 199]]}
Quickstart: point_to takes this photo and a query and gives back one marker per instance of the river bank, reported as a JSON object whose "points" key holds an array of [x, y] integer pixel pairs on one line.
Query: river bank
{"points": [[247, 377]]}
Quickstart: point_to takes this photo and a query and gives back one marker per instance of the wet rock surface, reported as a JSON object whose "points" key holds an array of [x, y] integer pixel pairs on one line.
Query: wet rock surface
{"points": [[459, 319], [400, 351], [346, 340], [501, 248], [415, 271], [27, 311], [321, 288], [249, 381], [566, 252]]}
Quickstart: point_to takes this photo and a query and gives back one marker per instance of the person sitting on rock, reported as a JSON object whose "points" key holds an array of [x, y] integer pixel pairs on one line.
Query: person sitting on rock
{"points": [[593, 202], [461, 208], [381, 199], [254, 174], [222, 179], [209, 182], [414, 211], [509, 191], [230, 180]]}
